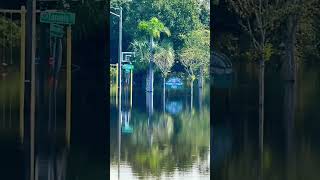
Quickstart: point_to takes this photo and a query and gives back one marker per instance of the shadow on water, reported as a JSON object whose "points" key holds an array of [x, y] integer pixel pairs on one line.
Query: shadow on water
{"points": [[284, 147]]}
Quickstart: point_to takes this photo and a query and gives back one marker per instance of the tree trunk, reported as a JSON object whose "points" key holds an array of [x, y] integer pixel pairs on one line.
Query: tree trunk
{"points": [[150, 76], [191, 97], [164, 94], [200, 98], [149, 99], [261, 102], [200, 80], [289, 117], [260, 154], [261, 118], [149, 102], [290, 63]]}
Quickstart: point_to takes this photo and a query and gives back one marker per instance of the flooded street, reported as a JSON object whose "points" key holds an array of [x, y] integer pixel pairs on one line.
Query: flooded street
{"points": [[164, 142], [286, 146], [53, 157], [172, 141], [159, 90]]}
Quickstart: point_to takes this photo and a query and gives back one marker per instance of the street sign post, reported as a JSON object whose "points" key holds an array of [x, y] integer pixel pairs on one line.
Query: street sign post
{"points": [[56, 30], [58, 17], [127, 66]]}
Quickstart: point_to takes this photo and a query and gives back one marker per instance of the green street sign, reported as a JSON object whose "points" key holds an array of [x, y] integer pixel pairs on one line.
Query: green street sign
{"points": [[127, 66], [126, 129], [56, 30], [55, 34], [58, 17]]}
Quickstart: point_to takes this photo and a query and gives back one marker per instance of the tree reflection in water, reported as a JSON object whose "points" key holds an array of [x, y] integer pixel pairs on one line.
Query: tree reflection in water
{"points": [[287, 146], [164, 143]]}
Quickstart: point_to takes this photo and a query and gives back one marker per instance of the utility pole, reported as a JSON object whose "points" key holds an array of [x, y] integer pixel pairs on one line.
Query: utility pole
{"points": [[119, 81], [120, 69], [33, 87], [120, 57], [30, 87]]}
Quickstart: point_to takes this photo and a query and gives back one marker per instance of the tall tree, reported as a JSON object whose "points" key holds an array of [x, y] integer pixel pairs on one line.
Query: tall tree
{"points": [[181, 17], [153, 28], [258, 19], [296, 12], [164, 59], [195, 55]]}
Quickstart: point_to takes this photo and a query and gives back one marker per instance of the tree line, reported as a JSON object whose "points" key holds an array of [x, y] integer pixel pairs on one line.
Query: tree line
{"points": [[171, 34]]}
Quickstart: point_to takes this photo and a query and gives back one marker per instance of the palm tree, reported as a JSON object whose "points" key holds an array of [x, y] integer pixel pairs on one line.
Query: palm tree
{"points": [[164, 60], [154, 28]]}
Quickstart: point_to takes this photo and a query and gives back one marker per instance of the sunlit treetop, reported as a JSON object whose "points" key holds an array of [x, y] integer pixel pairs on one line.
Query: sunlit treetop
{"points": [[154, 27]]}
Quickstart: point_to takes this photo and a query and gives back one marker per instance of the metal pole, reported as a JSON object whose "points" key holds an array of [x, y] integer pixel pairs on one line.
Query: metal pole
{"points": [[33, 88], [120, 56], [22, 69], [119, 67], [117, 83], [68, 100], [131, 81]]}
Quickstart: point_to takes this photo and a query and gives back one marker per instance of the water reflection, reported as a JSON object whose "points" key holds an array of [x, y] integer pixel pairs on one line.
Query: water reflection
{"points": [[43, 154], [289, 118], [174, 107], [285, 145], [162, 144]]}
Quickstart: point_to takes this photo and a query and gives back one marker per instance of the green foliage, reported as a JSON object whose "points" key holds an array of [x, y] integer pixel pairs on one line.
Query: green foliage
{"points": [[267, 51], [205, 13], [90, 17], [9, 33], [164, 57], [254, 54], [154, 27], [142, 56], [181, 17], [274, 17], [195, 55], [118, 3], [227, 43], [308, 37]]}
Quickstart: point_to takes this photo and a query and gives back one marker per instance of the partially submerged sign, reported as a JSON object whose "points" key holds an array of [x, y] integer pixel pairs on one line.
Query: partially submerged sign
{"points": [[127, 67], [58, 17], [174, 107], [174, 83], [56, 30], [126, 129]]}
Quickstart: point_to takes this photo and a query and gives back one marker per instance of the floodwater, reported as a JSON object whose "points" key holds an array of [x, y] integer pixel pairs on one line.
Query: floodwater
{"points": [[161, 140], [286, 146], [171, 141], [53, 157]]}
